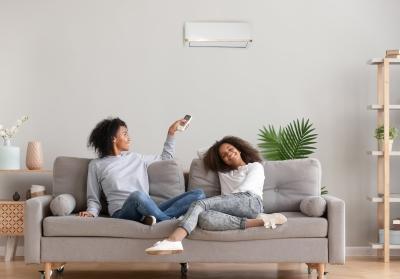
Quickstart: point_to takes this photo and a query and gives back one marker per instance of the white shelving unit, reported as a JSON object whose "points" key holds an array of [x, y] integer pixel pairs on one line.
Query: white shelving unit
{"points": [[384, 198], [379, 61], [380, 246], [380, 153], [392, 198], [380, 107]]}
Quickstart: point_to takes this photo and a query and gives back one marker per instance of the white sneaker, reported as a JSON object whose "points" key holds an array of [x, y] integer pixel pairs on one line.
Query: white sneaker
{"points": [[165, 247], [271, 220], [279, 218]]}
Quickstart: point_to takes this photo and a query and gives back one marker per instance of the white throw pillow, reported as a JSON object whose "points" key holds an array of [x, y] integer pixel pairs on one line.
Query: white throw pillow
{"points": [[62, 205]]}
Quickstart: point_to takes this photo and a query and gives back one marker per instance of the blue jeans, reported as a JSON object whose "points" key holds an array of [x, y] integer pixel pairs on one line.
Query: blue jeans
{"points": [[139, 204]]}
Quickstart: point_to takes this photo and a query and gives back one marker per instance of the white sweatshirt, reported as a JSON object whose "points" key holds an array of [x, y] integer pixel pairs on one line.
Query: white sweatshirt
{"points": [[249, 177]]}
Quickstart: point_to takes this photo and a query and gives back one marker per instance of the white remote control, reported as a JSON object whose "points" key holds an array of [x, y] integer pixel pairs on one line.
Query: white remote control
{"points": [[183, 127]]}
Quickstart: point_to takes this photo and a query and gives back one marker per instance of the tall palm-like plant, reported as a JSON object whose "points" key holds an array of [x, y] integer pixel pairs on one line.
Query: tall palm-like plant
{"points": [[295, 141]]}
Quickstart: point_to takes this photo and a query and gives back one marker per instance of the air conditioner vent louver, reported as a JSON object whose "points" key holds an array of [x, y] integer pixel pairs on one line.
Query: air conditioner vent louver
{"points": [[217, 34]]}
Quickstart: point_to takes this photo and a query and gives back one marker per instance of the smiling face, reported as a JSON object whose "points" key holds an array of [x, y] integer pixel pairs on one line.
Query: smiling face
{"points": [[121, 140], [230, 155]]}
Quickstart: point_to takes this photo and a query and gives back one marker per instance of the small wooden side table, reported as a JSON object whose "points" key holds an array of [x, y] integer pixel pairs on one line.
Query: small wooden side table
{"points": [[11, 225], [12, 213]]}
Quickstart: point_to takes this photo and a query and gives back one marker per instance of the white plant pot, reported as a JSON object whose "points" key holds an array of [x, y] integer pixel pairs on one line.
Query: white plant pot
{"points": [[381, 145], [9, 157]]}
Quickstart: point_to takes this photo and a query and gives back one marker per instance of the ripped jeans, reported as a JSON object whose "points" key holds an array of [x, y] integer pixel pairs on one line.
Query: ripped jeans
{"points": [[220, 213]]}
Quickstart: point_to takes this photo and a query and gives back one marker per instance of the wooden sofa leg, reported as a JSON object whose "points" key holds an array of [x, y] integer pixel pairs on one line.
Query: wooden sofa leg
{"points": [[320, 267], [184, 269], [321, 270], [47, 270]]}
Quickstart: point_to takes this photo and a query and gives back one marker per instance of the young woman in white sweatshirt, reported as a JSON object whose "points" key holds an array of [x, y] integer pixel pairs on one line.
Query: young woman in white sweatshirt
{"points": [[240, 206]]}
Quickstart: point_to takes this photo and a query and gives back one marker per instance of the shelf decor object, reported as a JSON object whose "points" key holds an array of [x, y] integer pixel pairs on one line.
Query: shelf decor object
{"points": [[384, 197], [37, 190], [379, 135], [394, 237], [34, 155], [10, 155], [16, 196]]}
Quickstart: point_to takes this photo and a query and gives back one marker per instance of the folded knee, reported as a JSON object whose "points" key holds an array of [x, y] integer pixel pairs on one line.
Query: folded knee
{"points": [[137, 195], [199, 193]]}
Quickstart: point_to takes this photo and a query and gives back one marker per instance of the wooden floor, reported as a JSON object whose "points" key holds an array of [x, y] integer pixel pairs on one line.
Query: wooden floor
{"points": [[356, 267]]}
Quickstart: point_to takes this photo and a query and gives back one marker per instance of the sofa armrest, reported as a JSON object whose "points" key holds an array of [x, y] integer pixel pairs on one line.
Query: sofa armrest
{"points": [[36, 209], [336, 229]]}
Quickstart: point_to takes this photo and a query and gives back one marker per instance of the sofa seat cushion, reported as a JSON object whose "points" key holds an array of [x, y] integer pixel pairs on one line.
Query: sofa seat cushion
{"points": [[298, 225], [105, 227]]}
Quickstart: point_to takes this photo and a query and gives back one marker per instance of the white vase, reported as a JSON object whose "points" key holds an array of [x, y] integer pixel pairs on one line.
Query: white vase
{"points": [[34, 155], [381, 145], [9, 156]]}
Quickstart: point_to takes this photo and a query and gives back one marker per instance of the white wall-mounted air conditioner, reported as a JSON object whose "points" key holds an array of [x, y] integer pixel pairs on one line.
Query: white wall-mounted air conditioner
{"points": [[217, 34]]}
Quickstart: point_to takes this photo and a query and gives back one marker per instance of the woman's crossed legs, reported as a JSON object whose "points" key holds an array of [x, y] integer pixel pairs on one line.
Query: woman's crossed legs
{"points": [[139, 204]]}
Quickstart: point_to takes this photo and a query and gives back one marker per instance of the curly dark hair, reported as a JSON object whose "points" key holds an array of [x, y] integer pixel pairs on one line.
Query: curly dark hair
{"points": [[101, 138], [213, 161]]}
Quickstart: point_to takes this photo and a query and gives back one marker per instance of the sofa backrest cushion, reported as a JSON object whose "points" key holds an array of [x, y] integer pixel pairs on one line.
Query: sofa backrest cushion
{"points": [[70, 177], [206, 180], [166, 180], [286, 182]]}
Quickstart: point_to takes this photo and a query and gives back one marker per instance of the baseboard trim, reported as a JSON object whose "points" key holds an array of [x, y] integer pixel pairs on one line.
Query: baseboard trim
{"points": [[18, 253], [351, 251], [366, 251]]}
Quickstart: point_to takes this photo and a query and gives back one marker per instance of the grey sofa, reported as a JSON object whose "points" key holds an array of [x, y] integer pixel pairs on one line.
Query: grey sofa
{"points": [[55, 240]]}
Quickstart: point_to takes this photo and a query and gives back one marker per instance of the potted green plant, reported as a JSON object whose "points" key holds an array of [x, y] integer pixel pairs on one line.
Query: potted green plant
{"points": [[379, 134]]}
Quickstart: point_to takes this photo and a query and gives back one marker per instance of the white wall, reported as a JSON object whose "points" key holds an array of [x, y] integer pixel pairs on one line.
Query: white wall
{"points": [[68, 64]]}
